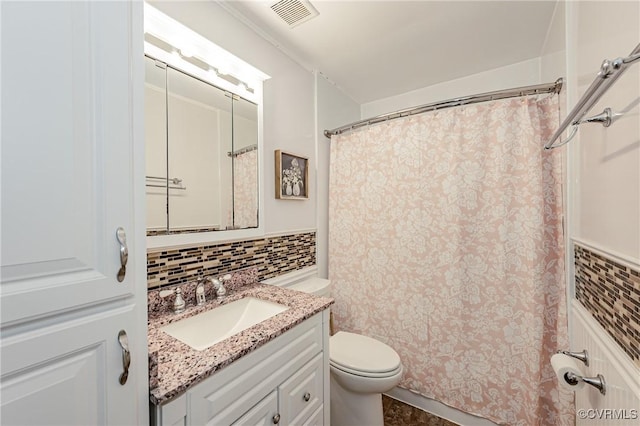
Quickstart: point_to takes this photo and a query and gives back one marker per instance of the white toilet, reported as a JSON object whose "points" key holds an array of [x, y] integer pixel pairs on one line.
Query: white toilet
{"points": [[361, 368]]}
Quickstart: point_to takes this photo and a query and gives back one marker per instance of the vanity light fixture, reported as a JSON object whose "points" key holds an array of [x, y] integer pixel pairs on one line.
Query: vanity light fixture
{"points": [[187, 43]]}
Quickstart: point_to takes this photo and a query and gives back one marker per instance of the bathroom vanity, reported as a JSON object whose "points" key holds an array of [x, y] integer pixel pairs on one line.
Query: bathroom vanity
{"points": [[275, 372]]}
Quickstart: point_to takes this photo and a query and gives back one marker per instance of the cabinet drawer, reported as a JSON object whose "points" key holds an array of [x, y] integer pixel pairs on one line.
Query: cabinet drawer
{"points": [[302, 393], [262, 414]]}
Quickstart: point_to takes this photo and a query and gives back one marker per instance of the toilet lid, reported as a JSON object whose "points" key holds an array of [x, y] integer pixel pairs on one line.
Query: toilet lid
{"points": [[351, 351]]}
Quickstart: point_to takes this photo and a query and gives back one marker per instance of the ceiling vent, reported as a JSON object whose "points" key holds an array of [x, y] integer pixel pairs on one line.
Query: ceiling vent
{"points": [[294, 12]]}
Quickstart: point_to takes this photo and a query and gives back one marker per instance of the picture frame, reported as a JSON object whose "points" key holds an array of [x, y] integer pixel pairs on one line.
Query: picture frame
{"points": [[292, 176]]}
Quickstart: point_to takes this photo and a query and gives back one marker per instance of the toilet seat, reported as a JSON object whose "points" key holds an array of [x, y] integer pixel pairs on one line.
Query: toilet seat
{"points": [[366, 374], [362, 356]]}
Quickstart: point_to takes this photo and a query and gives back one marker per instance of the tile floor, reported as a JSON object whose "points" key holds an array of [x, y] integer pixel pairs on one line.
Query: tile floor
{"points": [[397, 413]]}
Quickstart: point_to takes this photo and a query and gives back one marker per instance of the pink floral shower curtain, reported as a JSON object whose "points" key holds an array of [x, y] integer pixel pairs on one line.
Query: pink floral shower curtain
{"points": [[245, 190], [445, 242]]}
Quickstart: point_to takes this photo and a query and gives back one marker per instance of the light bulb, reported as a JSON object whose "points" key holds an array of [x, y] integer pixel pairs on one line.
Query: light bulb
{"points": [[222, 70], [186, 52]]}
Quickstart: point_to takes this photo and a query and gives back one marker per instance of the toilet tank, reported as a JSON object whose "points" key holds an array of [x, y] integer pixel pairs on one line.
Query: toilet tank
{"points": [[305, 280], [315, 285]]}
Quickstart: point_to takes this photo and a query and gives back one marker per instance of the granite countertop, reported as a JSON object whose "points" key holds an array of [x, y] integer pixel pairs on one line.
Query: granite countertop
{"points": [[175, 366]]}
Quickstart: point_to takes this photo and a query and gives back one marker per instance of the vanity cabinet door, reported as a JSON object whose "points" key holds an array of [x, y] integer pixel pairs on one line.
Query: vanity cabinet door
{"points": [[302, 393], [296, 401], [264, 413]]}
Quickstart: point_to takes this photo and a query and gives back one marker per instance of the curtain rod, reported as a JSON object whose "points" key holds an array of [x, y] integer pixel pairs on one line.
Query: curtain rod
{"points": [[482, 97]]}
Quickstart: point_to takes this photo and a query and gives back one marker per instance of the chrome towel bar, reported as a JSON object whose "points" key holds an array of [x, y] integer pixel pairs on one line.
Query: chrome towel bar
{"points": [[609, 72]]}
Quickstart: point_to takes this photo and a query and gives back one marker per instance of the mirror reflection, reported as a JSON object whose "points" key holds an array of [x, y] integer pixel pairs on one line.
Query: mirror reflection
{"points": [[245, 164], [201, 154]]}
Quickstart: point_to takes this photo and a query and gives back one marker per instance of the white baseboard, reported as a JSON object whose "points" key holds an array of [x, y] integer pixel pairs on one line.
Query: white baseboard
{"points": [[437, 408]]}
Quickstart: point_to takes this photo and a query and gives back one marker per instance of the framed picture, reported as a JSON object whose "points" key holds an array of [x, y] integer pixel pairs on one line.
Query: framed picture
{"points": [[292, 176]]}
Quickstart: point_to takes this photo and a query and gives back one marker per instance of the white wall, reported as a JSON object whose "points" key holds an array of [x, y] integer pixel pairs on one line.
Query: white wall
{"points": [[553, 63], [288, 102], [605, 162], [334, 109], [515, 75]]}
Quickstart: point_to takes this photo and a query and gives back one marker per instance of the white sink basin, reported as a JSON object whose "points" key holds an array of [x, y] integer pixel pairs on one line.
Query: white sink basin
{"points": [[213, 326]]}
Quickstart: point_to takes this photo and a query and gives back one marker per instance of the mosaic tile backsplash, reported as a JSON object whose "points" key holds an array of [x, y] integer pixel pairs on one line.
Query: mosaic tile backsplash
{"points": [[271, 256], [611, 293]]}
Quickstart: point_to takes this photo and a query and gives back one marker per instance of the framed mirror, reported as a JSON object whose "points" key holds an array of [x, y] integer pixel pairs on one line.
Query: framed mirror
{"points": [[203, 133]]}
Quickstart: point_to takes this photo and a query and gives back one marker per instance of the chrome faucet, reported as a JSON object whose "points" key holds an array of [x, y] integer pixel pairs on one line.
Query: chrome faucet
{"points": [[218, 287], [201, 298]]}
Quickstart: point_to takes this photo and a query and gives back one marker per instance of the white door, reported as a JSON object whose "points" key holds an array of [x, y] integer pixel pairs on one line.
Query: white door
{"points": [[72, 75]]}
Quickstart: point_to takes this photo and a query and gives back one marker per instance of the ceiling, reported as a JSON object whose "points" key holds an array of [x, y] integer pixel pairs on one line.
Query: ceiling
{"points": [[376, 49]]}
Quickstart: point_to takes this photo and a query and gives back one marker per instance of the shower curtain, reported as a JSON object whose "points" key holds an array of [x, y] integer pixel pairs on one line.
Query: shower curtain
{"points": [[445, 242], [245, 190]]}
